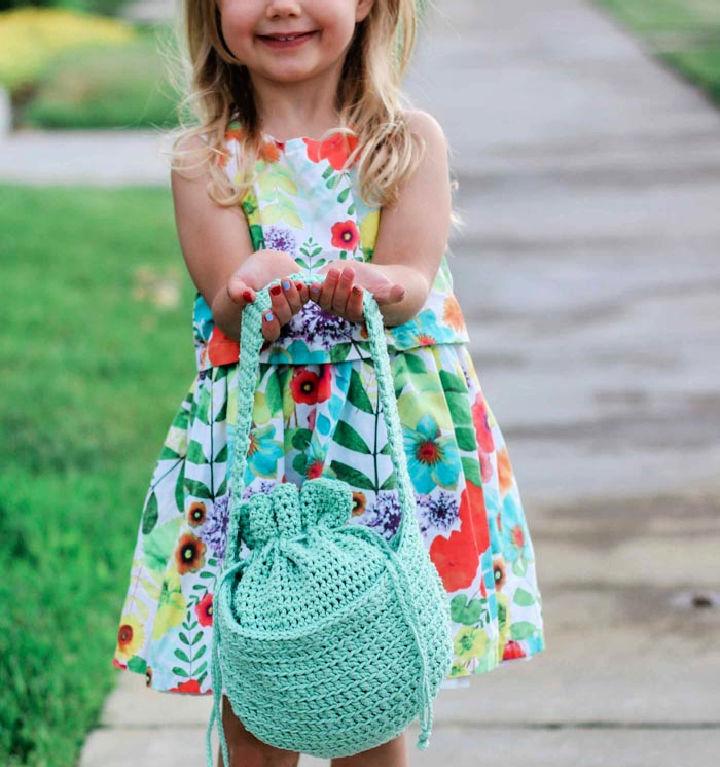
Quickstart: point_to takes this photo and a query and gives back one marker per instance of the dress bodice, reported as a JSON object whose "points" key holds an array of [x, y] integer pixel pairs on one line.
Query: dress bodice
{"points": [[303, 203]]}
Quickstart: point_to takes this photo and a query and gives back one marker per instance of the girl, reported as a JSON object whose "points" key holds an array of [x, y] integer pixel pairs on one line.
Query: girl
{"points": [[301, 144]]}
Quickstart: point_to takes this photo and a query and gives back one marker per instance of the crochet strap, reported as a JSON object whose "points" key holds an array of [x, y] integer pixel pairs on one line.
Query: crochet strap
{"points": [[251, 340]]}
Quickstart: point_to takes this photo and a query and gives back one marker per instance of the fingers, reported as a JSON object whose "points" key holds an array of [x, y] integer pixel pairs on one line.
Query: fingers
{"points": [[287, 299], [239, 292], [354, 310], [389, 294], [342, 291], [270, 325]]}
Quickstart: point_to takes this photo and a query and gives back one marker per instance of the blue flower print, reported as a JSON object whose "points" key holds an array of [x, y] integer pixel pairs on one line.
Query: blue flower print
{"points": [[422, 330], [432, 459], [264, 452]]}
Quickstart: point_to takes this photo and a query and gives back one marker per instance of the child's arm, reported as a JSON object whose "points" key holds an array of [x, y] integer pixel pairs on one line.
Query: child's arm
{"points": [[218, 252], [413, 233]]}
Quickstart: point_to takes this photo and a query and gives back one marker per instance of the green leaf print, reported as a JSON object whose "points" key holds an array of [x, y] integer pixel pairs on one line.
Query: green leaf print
{"points": [[150, 514], [351, 475], [278, 213], [167, 453], [197, 488], [180, 671], [340, 351], [459, 409], [452, 382], [471, 470], [222, 415], [466, 438], [520, 566], [195, 453], [522, 630], [137, 664], [273, 395], [343, 195], [159, 544], [302, 263], [523, 598], [464, 611], [390, 483], [179, 489], [203, 405], [347, 436], [257, 237], [357, 396], [301, 438], [221, 455], [415, 364], [328, 171], [181, 655]]}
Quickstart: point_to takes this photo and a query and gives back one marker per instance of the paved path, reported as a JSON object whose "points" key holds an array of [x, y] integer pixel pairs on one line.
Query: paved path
{"points": [[590, 180]]}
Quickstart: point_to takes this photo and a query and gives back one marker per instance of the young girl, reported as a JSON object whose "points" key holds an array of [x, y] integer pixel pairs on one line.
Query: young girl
{"points": [[301, 145]]}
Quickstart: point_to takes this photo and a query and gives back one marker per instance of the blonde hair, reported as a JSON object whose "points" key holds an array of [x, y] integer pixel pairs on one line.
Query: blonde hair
{"points": [[368, 100]]}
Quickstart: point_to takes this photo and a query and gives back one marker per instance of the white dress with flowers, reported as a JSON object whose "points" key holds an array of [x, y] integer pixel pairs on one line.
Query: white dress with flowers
{"points": [[316, 413]]}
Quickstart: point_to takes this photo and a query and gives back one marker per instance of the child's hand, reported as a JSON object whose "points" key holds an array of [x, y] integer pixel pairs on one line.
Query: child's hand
{"points": [[342, 291], [258, 270]]}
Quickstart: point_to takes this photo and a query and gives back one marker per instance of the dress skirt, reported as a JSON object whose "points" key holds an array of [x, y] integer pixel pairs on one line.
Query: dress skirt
{"points": [[323, 419]]}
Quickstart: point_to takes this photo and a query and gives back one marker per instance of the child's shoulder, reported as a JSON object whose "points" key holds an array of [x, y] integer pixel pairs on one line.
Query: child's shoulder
{"points": [[426, 126]]}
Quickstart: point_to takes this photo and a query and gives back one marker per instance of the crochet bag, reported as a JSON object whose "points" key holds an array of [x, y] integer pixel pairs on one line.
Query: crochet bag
{"points": [[327, 638]]}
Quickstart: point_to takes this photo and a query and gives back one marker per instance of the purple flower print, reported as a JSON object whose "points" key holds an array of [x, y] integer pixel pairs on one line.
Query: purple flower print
{"points": [[312, 323], [385, 514], [215, 531], [440, 511], [280, 239]]}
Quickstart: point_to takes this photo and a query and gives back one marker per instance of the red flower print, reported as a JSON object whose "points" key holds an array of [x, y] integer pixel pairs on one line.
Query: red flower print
{"points": [[191, 686], [314, 469], [483, 432], [310, 388], [457, 557], [424, 339], [204, 610], [345, 234], [190, 553], [336, 149], [222, 350], [513, 650], [517, 536], [197, 514]]}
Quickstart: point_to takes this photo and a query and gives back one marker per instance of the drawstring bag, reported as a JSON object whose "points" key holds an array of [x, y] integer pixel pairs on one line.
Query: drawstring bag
{"points": [[328, 639]]}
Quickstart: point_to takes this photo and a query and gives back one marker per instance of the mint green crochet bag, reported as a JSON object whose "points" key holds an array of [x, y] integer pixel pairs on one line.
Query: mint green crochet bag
{"points": [[327, 638]]}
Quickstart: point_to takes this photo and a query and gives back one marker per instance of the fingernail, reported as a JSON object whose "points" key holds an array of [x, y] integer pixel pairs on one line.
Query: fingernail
{"points": [[356, 290], [247, 295], [315, 290], [275, 290], [286, 284], [298, 286], [269, 316]]}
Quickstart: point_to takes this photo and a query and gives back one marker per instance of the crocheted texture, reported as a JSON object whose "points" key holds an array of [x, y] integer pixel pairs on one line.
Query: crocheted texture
{"points": [[327, 638]]}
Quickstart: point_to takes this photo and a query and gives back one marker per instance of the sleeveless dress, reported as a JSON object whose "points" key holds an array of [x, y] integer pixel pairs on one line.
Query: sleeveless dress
{"points": [[316, 413]]}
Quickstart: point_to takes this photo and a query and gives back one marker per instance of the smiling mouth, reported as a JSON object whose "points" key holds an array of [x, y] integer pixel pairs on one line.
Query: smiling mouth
{"points": [[288, 37]]}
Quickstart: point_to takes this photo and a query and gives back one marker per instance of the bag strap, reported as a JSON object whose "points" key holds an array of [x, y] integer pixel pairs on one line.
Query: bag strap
{"points": [[251, 340]]}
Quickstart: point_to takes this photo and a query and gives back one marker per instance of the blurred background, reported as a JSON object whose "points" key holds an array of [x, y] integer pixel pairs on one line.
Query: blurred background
{"points": [[586, 142]]}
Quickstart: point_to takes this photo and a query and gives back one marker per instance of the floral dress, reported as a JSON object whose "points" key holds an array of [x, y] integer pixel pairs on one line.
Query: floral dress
{"points": [[316, 413]]}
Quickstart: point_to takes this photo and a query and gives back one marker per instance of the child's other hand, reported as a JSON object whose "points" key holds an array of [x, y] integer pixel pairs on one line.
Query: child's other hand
{"points": [[342, 291], [287, 298]]}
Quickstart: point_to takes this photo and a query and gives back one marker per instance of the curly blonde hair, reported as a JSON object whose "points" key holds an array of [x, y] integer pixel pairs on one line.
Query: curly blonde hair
{"points": [[368, 100]]}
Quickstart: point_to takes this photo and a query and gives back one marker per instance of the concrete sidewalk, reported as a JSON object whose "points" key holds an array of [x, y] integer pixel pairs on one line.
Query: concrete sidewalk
{"points": [[590, 180]]}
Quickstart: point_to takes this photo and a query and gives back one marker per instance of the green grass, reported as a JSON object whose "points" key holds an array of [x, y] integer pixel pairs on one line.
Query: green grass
{"points": [[683, 33], [92, 377], [124, 86]]}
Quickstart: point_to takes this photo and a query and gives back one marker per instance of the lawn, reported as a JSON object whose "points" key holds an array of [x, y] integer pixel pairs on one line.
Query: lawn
{"points": [[683, 33], [97, 359]]}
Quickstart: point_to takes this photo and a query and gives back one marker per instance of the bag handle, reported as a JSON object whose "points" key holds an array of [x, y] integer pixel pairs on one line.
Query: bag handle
{"points": [[251, 340]]}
